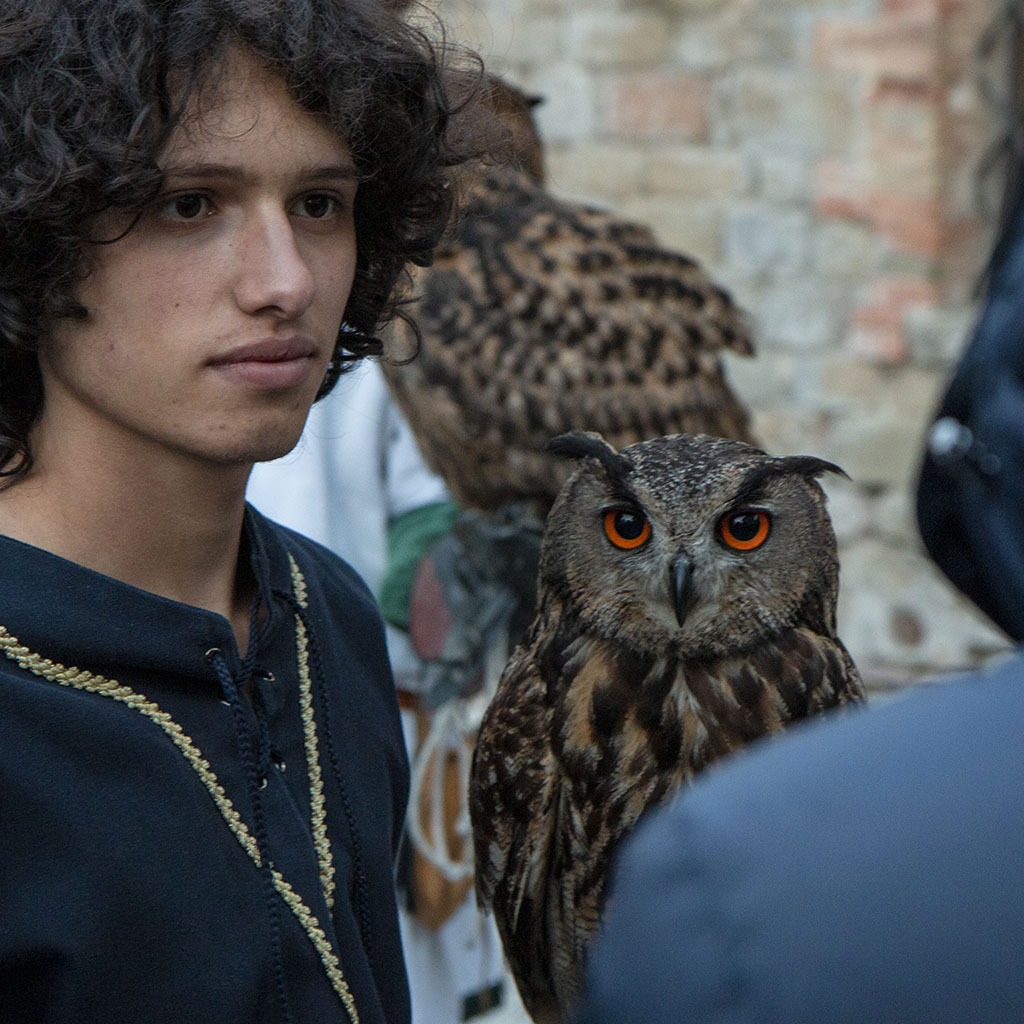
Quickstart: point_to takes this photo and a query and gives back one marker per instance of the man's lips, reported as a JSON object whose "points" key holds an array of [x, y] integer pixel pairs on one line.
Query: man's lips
{"points": [[273, 350], [273, 364]]}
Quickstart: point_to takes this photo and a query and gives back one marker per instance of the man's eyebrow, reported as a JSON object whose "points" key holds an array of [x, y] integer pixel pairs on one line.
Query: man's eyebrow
{"points": [[315, 172], [330, 172]]}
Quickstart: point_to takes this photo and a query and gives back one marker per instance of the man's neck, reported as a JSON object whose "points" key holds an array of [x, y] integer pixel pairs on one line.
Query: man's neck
{"points": [[167, 525]]}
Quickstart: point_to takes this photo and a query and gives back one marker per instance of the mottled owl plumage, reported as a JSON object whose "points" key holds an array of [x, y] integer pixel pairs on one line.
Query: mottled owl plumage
{"points": [[658, 646], [541, 316]]}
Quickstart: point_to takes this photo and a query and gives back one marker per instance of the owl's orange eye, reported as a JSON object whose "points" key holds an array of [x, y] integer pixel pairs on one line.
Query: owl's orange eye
{"points": [[746, 529], [626, 529]]}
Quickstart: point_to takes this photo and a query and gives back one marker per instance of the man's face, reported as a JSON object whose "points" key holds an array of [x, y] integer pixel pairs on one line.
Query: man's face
{"points": [[211, 322]]}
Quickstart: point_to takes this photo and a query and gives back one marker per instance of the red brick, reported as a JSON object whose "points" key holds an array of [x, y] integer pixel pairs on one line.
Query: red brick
{"points": [[915, 8], [649, 106], [901, 45], [879, 322], [896, 90], [912, 224]]}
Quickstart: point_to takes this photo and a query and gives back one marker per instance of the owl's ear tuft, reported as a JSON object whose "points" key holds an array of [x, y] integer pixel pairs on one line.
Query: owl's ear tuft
{"points": [[808, 465], [581, 444]]}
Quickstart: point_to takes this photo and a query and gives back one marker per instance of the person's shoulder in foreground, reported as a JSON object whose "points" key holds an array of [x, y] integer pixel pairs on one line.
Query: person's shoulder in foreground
{"points": [[864, 869]]}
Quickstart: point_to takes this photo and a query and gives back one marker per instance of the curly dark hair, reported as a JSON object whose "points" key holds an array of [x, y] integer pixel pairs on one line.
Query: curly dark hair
{"points": [[90, 92]]}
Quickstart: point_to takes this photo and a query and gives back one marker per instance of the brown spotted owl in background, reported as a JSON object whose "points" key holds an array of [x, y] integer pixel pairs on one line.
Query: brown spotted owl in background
{"points": [[541, 316], [686, 606]]}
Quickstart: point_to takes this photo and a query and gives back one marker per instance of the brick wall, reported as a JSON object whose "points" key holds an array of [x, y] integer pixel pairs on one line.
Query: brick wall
{"points": [[818, 157]]}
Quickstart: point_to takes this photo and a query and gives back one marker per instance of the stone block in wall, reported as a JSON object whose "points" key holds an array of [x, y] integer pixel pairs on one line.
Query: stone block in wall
{"points": [[849, 507], [568, 112], [597, 172], [617, 39], [937, 336], [687, 6], [878, 332], [705, 44], [486, 30], [903, 128], [877, 420], [789, 431], [803, 314], [765, 239], [968, 248], [845, 250], [849, 192], [963, 23], [535, 42], [916, 225], [737, 34], [784, 179], [850, 383], [766, 379], [877, 450], [900, 44], [529, 10], [897, 614], [894, 510], [789, 111], [695, 172]]}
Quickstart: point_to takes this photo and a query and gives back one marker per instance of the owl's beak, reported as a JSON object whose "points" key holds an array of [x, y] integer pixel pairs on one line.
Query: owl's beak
{"points": [[682, 587]]}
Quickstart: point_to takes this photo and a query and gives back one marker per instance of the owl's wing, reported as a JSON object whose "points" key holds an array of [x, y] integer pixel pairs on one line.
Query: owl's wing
{"points": [[523, 821], [820, 675], [798, 674], [513, 806], [542, 316], [549, 800], [512, 782]]}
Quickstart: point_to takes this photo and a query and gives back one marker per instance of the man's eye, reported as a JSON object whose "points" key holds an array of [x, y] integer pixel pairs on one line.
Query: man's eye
{"points": [[188, 206], [317, 205]]}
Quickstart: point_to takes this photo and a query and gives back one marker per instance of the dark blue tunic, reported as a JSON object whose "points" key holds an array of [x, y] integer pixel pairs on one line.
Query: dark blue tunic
{"points": [[127, 892]]}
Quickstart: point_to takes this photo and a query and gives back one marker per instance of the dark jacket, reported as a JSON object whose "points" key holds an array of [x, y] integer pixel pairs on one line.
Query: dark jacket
{"points": [[158, 859], [970, 495], [862, 870]]}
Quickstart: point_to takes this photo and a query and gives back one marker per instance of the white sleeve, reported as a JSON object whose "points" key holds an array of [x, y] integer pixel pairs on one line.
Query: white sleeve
{"points": [[409, 481]]}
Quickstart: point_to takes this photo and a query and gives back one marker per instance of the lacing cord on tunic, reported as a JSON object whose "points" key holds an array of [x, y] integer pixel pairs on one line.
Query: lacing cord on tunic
{"points": [[256, 764]]}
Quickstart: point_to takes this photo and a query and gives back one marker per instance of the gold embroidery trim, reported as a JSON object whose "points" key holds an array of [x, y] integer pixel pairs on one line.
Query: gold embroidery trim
{"points": [[318, 814], [82, 679]]}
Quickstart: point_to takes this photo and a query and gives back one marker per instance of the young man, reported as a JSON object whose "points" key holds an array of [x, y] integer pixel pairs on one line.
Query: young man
{"points": [[202, 775]]}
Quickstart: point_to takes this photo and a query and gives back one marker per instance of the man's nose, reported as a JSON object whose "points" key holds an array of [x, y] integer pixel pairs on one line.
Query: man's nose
{"points": [[273, 274]]}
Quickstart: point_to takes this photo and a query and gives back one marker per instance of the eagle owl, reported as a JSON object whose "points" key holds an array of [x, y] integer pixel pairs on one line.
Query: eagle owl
{"points": [[685, 606], [540, 316]]}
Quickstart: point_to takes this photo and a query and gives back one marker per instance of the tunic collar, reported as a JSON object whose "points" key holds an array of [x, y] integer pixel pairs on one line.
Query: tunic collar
{"points": [[75, 615]]}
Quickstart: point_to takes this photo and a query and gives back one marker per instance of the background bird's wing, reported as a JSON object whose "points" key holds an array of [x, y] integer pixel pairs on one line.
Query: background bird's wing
{"points": [[541, 316]]}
